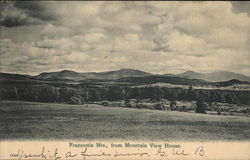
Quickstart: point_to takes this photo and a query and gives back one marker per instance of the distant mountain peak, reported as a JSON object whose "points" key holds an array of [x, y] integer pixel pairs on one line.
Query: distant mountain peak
{"points": [[191, 74], [131, 70], [215, 76], [124, 69], [68, 74], [67, 71]]}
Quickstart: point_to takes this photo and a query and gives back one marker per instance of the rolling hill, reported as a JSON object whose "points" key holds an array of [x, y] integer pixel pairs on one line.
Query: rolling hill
{"points": [[230, 82], [163, 79], [191, 74], [215, 76], [13, 77], [131, 77], [71, 75], [65, 74]]}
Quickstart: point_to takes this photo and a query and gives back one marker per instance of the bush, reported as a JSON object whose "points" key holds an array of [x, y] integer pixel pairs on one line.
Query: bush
{"points": [[183, 109], [75, 100], [172, 105], [218, 112], [159, 106], [129, 105], [231, 113], [105, 103], [139, 105], [245, 111]]}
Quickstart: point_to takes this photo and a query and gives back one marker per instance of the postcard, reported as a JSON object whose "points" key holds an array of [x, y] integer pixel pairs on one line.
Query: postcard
{"points": [[124, 80]]}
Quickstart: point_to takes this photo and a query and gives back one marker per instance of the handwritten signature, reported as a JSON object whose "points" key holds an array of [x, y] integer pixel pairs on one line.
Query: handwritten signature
{"points": [[55, 155]]}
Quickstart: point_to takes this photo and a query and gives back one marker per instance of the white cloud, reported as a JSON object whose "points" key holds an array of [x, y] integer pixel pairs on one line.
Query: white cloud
{"points": [[188, 45], [153, 36], [94, 37], [51, 30], [63, 43]]}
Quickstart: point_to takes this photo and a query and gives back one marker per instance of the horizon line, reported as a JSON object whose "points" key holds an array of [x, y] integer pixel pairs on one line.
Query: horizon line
{"points": [[123, 69]]}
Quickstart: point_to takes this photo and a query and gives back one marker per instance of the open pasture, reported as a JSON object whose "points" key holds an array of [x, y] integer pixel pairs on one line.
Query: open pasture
{"points": [[30, 120]]}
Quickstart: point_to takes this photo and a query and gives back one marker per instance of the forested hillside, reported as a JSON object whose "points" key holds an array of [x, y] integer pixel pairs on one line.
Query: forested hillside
{"points": [[90, 93]]}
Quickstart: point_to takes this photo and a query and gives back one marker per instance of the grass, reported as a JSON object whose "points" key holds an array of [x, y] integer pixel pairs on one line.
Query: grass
{"points": [[30, 120]]}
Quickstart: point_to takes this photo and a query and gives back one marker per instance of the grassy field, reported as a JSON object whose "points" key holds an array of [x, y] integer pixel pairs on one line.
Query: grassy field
{"points": [[30, 120]]}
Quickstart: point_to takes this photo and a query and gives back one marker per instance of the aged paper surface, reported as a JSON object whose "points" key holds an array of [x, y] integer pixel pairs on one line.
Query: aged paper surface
{"points": [[65, 150], [124, 80]]}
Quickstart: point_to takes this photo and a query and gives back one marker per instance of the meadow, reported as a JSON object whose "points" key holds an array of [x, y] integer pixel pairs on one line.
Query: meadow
{"points": [[31, 120]]}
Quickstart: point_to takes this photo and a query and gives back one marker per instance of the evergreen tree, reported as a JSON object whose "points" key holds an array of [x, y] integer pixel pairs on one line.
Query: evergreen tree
{"points": [[200, 106]]}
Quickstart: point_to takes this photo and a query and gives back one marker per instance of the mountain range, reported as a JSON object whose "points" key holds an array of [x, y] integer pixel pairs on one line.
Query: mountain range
{"points": [[110, 75], [215, 76], [133, 75]]}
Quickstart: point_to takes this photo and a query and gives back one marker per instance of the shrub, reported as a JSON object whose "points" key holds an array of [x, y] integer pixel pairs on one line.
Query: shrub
{"points": [[145, 105], [231, 113], [126, 101], [218, 112], [183, 108], [75, 100], [245, 111], [172, 105], [129, 105], [159, 106], [105, 103], [139, 105]]}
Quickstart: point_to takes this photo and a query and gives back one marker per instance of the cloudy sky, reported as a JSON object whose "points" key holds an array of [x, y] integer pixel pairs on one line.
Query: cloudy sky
{"points": [[158, 37]]}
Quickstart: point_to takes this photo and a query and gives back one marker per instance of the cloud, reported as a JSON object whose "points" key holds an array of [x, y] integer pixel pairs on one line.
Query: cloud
{"points": [[12, 16], [40, 10], [215, 23], [131, 43], [50, 30], [188, 45], [63, 43], [93, 37], [158, 37], [241, 7]]}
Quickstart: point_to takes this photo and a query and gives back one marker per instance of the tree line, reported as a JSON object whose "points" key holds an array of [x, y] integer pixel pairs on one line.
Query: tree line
{"points": [[88, 93]]}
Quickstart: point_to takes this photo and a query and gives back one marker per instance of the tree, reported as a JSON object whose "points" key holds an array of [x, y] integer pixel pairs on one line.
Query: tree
{"points": [[190, 87], [158, 93], [191, 93], [200, 106], [126, 96], [172, 105]]}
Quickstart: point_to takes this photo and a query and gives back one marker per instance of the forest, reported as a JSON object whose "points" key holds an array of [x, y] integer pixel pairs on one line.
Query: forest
{"points": [[92, 93]]}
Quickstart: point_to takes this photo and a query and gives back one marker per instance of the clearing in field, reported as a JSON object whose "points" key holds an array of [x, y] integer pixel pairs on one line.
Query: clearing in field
{"points": [[30, 120]]}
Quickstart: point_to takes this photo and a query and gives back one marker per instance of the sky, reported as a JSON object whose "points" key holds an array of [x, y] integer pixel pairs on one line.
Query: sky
{"points": [[157, 37]]}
